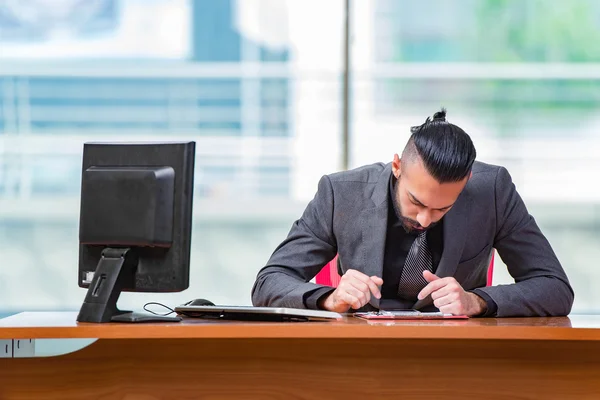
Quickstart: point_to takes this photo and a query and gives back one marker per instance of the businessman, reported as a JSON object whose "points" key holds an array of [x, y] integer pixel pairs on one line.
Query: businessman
{"points": [[419, 230]]}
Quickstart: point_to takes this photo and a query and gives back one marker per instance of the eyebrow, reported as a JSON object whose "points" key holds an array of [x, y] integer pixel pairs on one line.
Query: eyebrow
{"points": [[414, 199]]}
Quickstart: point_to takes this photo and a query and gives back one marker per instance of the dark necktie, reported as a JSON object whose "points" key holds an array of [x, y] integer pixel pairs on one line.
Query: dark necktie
{"points": [[417, 261]]}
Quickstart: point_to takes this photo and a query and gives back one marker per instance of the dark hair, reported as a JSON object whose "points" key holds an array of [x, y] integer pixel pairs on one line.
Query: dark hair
{"points": [[446, 150]]}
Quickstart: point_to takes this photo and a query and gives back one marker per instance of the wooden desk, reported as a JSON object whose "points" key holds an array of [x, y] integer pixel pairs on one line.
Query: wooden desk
{"points": [[545, 358]]}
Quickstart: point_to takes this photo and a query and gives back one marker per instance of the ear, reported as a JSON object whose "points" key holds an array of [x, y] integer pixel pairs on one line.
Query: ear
{"points": [[396, 166], [470, 176]]}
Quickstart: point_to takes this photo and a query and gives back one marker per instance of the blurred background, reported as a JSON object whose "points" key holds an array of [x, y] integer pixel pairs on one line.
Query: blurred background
{"points": [[259, 85]]}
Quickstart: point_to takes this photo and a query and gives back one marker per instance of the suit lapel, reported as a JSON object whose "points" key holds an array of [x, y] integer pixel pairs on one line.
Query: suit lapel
{"points": [[374, 229], [455, 224]]}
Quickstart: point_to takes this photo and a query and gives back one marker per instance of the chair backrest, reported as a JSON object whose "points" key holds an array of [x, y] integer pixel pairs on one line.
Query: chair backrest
{"points": [[490, 272], [329, 276]]}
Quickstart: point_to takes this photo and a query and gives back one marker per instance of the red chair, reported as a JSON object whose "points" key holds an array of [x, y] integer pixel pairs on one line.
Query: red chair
{"points": [[329, 276]]}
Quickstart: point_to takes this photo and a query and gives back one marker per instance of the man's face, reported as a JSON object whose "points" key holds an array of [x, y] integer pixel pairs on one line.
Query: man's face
{"points": [[419, 200]]}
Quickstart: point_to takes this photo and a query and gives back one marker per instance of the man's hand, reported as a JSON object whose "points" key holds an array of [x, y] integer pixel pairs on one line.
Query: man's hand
{"points": [[354, 291], [450, 297]]}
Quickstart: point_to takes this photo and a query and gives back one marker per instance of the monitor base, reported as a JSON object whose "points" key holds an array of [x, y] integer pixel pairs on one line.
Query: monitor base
{"points": [[132, 317]]}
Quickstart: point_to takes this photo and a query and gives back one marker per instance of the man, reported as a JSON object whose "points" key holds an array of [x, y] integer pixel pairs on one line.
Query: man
{"points": [[421, 228]]}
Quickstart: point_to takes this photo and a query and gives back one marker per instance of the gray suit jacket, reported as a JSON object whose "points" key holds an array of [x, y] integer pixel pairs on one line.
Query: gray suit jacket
{"points": [[348, 216]]}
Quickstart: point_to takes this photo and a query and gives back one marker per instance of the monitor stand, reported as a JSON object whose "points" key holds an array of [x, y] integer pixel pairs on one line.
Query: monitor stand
{"points": [[115, 271]]}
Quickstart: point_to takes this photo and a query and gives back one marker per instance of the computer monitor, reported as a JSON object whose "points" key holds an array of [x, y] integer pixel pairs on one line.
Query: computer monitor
{"points": [[135, 224]]}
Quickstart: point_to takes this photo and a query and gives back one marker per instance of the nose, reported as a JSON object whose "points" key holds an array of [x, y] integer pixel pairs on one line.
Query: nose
{"points": [[424, 218]]}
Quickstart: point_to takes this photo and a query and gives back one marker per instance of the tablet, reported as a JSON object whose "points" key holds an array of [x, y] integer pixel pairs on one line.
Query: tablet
{"points": [[406, 314]]}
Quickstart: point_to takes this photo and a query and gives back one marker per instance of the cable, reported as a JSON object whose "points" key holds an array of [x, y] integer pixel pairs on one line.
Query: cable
{"points": [[171, 311]]}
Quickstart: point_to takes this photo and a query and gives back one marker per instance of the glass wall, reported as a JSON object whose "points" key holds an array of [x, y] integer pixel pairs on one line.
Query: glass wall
{"points": [[258, 85], [262, 101], [521, 77]]}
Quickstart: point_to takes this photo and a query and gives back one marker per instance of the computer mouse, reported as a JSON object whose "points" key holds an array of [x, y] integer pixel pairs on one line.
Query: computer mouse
{"points": [[200, 302]]}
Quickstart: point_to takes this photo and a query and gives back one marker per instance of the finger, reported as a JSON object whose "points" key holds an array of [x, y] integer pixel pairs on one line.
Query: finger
{"points": [[374, 286], [367, 288], [358, 275], [444, 301], [364, 278], [451, 287], [348, 298], [452, 308], [448, 309], [432, 287], [429, 276], [360, 285], [363, 297], [372, 282], [378, 281]]}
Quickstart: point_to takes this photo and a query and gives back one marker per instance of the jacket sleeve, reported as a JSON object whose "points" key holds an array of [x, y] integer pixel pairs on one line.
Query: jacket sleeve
{"points": [[541, 286], [310, 244]]}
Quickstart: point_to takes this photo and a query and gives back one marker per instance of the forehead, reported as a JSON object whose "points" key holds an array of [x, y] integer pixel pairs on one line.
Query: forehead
{"points": [[417, 181]]}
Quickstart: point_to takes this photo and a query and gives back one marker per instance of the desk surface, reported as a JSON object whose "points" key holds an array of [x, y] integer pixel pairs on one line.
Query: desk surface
{"points": [[59, 325]]}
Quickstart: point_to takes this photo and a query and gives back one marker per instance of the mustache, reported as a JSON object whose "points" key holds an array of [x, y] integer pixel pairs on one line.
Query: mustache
{"points": [[412, 224]]}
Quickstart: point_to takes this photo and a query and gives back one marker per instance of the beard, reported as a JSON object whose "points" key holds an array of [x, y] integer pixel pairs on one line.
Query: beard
{"points": [[410, 225]]}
